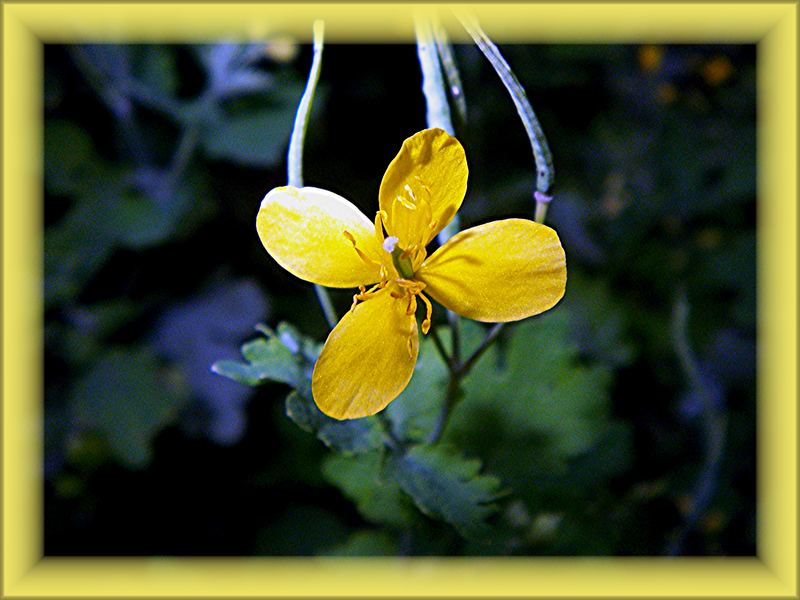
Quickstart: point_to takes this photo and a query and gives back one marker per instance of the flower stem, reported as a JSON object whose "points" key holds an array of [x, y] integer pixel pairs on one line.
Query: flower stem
{"points": [[491, 336], [294, 161], [714, 424], [437, 342], [295, 156], [455, 330], [435, 91], [541, 151], [451, 397], [325, 303], [457, 371]]}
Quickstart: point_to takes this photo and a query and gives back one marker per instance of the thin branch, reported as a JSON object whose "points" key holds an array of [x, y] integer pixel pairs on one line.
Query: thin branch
{"points": [[435, 91], [713, 419], [545, 174], [325, 303], [451, 397], [294, 165], [437, 342], [295, 156], [491, 336], [455, 331]]}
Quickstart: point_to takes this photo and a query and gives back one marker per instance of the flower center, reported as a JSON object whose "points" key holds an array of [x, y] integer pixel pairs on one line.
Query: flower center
{"points": [[409, 218]]}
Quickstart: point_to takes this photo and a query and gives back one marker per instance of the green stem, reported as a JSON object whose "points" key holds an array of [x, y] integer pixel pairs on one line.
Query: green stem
{"points": [[438, 110], [491, 336], [457, 371], [295, 156], [714, 423], [435, 91], [437, 342], [325, 303], [545, 174], [294, 165], [451, 397], [448, 62]]}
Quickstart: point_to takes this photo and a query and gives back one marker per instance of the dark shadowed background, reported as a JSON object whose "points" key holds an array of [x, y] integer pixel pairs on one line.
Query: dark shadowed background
{"points": [[156, 159]]}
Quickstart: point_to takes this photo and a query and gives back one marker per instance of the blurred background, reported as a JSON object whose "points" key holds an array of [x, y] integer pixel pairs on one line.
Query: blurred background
{"points": [[156, 159]]}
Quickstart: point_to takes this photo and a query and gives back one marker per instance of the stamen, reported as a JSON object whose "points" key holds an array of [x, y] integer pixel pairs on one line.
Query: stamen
{"points": [[361, 255], [426, 324], [406, 203], [380, 219], [361, 289], [412, 304]]}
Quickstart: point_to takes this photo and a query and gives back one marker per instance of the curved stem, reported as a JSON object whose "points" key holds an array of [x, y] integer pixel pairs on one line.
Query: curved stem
{"points": [[294, 166], [714, 425], [457, 372], [491, 336]]}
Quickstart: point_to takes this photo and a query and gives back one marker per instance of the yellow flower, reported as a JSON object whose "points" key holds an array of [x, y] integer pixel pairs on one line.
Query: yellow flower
{"points": [[500, 271]]}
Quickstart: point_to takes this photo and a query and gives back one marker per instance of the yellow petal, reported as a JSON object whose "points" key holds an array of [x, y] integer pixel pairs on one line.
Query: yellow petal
{"points": [[431, 168], [303, 229], [501, 271], [368, 358]]}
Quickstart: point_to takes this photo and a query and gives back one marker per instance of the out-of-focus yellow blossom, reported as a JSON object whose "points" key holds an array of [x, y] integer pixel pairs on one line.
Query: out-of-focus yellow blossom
{"points": [[650, 57], [717, 70], [500, 271]]}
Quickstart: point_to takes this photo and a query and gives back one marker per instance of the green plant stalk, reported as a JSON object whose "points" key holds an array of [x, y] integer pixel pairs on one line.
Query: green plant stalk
{"points": [[438, 115], [448, 62], [435, 91], [714, 424], [294, 166], [545, 174]]}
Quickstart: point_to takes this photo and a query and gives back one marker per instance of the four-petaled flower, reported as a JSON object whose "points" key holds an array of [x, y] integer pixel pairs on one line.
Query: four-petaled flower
{"points": [[500, 271]]}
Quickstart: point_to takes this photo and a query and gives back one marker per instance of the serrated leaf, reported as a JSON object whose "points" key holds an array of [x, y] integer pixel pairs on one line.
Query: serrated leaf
{"points": [[267, 360], [347, 437], [542, 389], [447, 486], [123, 399], [377, 498], [531, 415]]}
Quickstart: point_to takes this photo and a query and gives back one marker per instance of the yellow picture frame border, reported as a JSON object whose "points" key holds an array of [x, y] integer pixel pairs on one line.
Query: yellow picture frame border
{"points": [[26, 573]]}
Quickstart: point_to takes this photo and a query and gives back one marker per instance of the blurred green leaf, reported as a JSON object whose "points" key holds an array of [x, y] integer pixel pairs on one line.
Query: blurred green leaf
{"points": [[599, 320], [301, 531], [414, 413], [378, 499], [70, 163], [124, 398], [532, 404], [445, 485], [368, 542], [256, 139], [155, 67], [542, 388]]}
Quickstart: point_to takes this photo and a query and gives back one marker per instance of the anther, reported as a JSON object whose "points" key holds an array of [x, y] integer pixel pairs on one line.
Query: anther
{"points": [[390, 242]]}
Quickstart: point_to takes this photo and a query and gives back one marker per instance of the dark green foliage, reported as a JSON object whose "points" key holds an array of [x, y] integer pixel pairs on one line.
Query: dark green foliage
{"points": [[378, 497], [579, 432], [122, 399], [444, 485]]}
